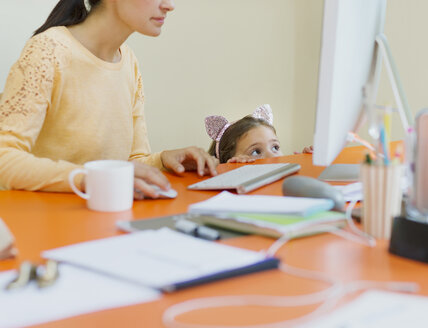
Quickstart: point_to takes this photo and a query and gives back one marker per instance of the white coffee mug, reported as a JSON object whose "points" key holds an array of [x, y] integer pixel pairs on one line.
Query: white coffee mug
{"points": [[109, 185]]}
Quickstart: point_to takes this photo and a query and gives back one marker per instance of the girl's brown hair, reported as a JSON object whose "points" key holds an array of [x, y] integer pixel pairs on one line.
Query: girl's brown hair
{"points": [[230, 138]]}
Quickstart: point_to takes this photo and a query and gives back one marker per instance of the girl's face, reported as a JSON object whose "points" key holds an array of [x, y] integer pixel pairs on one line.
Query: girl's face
{"points": [[259, 142], [144, 16]]}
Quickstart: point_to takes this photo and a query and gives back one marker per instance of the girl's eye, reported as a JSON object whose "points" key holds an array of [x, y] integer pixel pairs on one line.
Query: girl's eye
{"points": [[256, 152], [275, 148]]}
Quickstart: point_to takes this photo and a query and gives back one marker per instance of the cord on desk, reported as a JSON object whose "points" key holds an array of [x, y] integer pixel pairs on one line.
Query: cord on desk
{"points": [[328, 297]]}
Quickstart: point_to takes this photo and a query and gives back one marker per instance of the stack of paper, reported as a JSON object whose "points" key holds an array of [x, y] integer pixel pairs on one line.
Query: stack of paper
{"points": [[75, 292], [351, 192], [162, 259], [226, 202], [274, 225], [377, 309]]}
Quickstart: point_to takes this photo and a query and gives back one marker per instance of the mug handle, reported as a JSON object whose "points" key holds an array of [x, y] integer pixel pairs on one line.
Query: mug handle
{"points": [[73, 186]]}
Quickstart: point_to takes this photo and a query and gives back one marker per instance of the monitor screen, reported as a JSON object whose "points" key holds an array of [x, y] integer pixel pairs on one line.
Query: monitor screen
{"points": [[348, 61]]}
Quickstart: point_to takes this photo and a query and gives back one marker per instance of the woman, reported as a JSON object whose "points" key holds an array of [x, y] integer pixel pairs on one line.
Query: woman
{"points": [[76, 95]]}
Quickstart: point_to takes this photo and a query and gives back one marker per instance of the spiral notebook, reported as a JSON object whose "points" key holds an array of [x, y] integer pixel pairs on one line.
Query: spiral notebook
{"points": [[226, 202], [162, 259]]}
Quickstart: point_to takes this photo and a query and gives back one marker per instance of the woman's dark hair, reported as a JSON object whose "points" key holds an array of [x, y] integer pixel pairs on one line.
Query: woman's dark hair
{"points": [[67, 13], [227, 145]]}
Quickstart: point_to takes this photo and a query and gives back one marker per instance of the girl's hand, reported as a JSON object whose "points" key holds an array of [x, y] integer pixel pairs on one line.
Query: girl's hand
{"points": [[306, 150], [189, 159], [241, 159], [146, 175]]}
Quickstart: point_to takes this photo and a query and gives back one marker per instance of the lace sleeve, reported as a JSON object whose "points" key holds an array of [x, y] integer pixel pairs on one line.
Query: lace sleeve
{"points": [[23, 107], [28, 87], [141, 149]]}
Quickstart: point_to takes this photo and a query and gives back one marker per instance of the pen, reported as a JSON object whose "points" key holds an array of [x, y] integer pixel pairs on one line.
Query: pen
{"points": [[368, 159], [398, 154], [196, 230], [384, 145], [353, 137]]}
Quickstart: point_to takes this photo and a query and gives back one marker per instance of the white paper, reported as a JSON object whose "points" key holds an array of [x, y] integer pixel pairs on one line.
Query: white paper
{"points": [[156, 258], [377, 309], [352, 191], [226, 202], [77, 291]]}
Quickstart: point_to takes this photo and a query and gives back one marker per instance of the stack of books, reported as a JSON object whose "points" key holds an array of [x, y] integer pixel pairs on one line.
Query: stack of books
{"points": [[271, 216]]}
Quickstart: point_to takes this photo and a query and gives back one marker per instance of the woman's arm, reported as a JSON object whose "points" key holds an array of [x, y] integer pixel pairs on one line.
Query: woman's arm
{"points": [[23, 108]]}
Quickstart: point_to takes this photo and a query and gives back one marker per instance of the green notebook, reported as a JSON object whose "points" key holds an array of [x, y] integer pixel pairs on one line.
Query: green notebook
{"points": [[274, 225]]}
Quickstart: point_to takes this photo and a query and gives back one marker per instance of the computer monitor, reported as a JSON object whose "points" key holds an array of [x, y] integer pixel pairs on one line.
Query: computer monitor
{"points": [[352, 49]]}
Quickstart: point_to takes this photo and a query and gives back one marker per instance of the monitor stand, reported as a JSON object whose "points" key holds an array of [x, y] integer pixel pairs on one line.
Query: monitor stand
{"points": [[350, 172], [341, 173]]}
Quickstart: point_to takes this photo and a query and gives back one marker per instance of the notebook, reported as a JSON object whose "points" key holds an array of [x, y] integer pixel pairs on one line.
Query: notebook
{"points": [[274, 225], [162, 259], [247, 177], [170, 221], [226, 202]]}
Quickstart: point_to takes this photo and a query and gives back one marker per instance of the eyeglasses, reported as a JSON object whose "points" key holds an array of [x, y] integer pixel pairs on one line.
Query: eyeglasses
{"points": [[44, 275]]}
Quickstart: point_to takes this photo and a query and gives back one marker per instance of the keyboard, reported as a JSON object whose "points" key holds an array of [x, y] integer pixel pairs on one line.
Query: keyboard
{"points": [[247, 177]]}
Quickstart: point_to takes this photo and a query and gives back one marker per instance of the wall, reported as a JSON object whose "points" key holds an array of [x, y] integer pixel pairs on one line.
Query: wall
{"points": [[18, 20], [405, 29], [217, 57], [228, 56]]}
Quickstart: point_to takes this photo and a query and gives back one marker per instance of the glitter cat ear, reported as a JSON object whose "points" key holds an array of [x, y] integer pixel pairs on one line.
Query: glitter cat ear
{"points": [[215, 126], [264, 112]]}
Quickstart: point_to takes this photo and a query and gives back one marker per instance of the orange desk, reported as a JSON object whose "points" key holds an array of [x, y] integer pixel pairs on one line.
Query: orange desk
{"points": [[42, 221]]}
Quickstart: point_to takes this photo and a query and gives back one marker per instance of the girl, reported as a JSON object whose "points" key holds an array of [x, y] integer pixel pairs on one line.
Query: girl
{"points": [[76, 95], [245, 140]]}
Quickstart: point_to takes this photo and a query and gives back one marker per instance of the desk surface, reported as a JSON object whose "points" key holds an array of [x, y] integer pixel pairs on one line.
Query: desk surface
{"points": [[42, 221]]}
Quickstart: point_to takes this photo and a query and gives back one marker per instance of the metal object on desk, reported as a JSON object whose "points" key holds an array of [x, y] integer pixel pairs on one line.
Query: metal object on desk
{"points": [[409, 238], [421, 171], [26, 273], [43, 275], [410, 232], [47, 274]]}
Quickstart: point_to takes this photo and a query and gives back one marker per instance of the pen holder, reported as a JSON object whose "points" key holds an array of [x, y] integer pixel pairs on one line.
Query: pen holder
{"points": [[382, 198]]}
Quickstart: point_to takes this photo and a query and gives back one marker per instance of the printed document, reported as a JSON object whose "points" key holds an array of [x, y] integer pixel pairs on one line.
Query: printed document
{"points": [[226, 202], [76, 291], [377, 309], [162, 259]]}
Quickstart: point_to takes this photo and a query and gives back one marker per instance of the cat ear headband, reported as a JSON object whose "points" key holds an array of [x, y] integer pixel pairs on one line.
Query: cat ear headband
{"points": [[216, 125]]}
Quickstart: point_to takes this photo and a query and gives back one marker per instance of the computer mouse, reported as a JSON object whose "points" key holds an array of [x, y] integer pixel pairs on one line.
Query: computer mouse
{"points": [[301, 186], [170, 193]]}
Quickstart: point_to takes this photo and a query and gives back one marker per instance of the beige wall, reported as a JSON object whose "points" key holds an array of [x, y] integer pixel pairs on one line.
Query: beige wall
{"points": [[217, 57], [18, 20], [406, 31], [308, 22], [226, 57]]}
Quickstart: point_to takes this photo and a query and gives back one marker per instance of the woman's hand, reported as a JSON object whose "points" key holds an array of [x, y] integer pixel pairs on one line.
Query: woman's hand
{"points": [[306, 150], [146, 175], [241, 159], [189, 159]]}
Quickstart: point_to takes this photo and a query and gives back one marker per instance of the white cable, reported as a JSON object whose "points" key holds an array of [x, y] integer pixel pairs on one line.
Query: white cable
{"points": [[369, 239], [327, 297]]}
